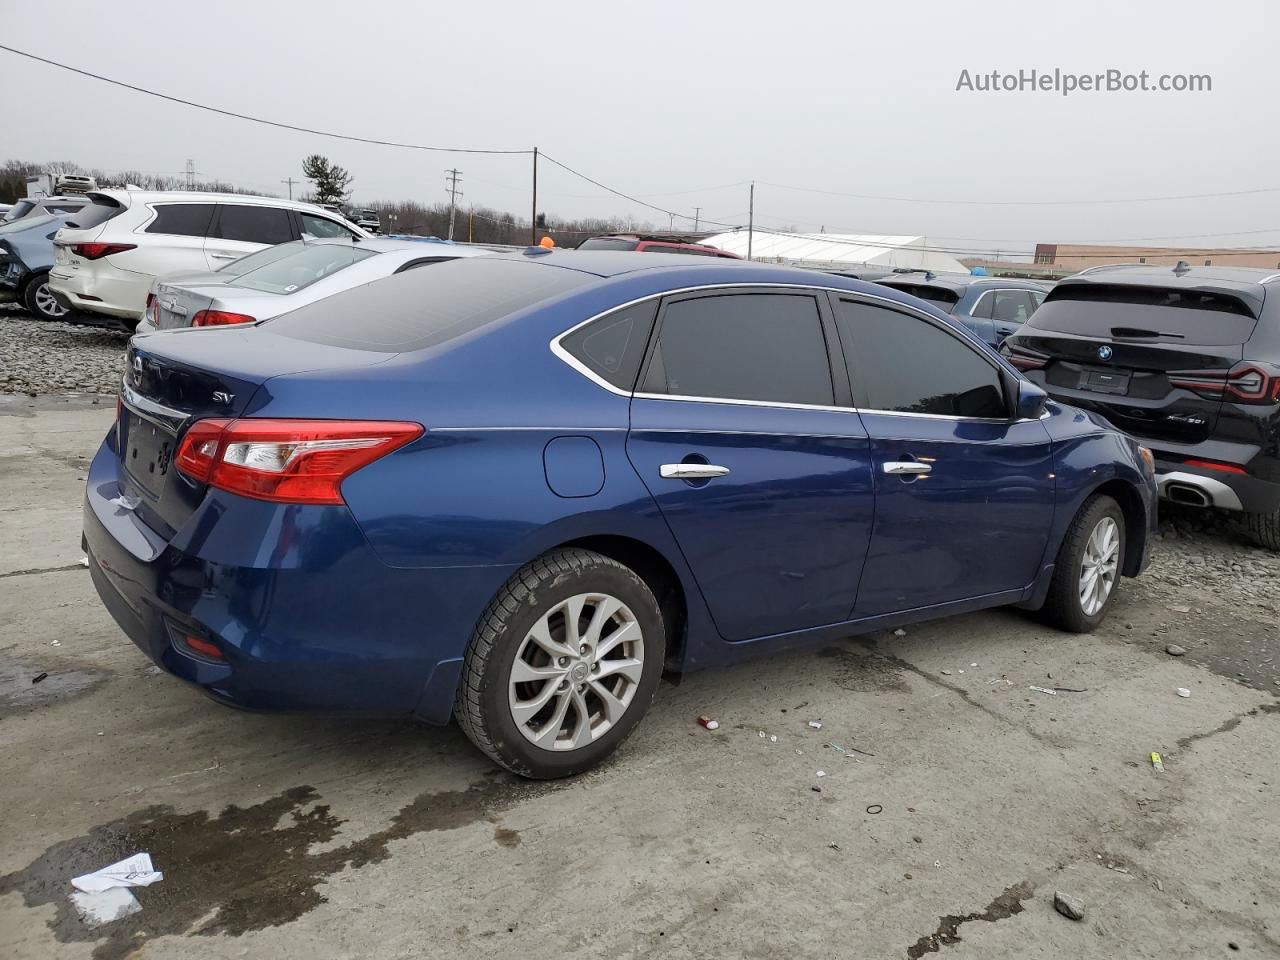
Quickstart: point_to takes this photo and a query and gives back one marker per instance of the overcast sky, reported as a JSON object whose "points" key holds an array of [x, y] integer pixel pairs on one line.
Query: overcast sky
{"points": [[682, 103]]}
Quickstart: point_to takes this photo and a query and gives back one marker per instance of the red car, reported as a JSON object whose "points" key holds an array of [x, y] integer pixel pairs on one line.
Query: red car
{"points": [[650, 244]]}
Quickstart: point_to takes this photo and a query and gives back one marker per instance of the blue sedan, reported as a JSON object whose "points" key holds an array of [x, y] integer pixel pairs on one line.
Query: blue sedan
{"points": [[514, 489]]}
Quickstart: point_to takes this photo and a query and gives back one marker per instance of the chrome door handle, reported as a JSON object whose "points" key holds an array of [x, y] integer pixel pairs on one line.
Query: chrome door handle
{"points": [[907, 468], [691, 471], [225, 256]]}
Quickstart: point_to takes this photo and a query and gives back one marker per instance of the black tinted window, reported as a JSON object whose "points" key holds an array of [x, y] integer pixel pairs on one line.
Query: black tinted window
{"points": [[182, 219], [1146, 313], [613, 346], [607, 243], [942, 298], [903, 363], [742, 347], [99, 211], [254, 224], [423, 308]]}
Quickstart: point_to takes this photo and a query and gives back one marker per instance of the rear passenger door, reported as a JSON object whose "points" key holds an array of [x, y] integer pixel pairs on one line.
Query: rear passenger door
{"points": [[239, 229], [754, 457], [964, 493]]}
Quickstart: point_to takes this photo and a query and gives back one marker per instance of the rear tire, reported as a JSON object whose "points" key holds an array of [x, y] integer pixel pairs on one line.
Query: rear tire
{"points": [[1265, 529], [562, 666], [1088, 567], [40, 301]]}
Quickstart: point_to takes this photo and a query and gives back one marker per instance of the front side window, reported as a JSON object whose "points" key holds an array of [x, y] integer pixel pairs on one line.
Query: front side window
{"points": [[182, 219], [757, 346], [1011, 306], [902, 363], [252, 224], [612, 346], [313, 226]]}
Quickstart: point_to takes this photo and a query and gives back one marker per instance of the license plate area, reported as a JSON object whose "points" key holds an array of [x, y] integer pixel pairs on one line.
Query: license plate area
{"points": [[1115, 382], [148, 452]]}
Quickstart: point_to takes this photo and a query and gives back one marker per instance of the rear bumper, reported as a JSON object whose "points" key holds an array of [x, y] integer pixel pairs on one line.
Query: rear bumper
{"points": [[305, 614], [101, 288], [1180, 483]]}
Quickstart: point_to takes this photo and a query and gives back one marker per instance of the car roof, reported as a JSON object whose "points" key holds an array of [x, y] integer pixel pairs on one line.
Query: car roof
{"points": [[959, 281], [1244, 283], [129, 197]]}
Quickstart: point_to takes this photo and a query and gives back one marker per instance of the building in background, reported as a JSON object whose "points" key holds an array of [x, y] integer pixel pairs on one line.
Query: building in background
{"points": [[1069, 258], [837, 251]]}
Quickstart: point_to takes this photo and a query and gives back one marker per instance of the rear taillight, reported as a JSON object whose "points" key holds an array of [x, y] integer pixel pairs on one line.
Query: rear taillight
{"points": [[1214, 465], [1023, 358], [96, 251], [1246, 382], [287, 461], [219, 318]]}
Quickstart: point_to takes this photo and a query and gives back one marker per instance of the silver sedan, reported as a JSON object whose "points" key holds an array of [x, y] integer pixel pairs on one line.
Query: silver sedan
{"points": [[282, 278]]}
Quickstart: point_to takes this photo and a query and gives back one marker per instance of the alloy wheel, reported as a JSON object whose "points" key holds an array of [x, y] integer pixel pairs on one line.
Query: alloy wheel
{"points": [[47, 303], [1099, 567], [576, 672]]}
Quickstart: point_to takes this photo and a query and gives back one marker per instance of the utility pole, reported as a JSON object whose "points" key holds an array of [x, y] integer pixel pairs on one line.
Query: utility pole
{"points": [[191, 174], [751, 218], [697, 214], [471, 222], [290, 181], [533, 218], [454, 175], [671, 222]]}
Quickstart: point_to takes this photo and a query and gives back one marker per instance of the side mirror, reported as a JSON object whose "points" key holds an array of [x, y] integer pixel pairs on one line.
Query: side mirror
{"points": [[1031, 401]]}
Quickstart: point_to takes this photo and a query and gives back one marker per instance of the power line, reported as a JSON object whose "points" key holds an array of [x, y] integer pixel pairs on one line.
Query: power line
{"points": [[1025, 203], [245, 116]]}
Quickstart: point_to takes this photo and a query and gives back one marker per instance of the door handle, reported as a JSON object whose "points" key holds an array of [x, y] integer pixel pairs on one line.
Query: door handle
{"points": [[225, 256], [691, 471], [911, 468]]}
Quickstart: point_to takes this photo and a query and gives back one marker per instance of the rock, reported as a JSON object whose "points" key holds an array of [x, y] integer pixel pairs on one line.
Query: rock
{"points": [[1070, 907], [1174, 650]]}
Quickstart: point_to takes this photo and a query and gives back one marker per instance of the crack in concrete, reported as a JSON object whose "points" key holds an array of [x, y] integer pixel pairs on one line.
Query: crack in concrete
{"points": [[1228, 725], [1007, 904], [30, 571]]}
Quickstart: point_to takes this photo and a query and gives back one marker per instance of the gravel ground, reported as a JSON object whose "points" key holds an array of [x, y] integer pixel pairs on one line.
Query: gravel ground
{"points": [[38, 357]]}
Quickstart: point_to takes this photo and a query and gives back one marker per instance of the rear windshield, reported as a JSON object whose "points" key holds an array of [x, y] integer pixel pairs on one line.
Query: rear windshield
{"points": [[261, 258], [1116, 311], [423, 308], [607, 243], [93, 214], [942, 298], [20, 209], [307, 264]]}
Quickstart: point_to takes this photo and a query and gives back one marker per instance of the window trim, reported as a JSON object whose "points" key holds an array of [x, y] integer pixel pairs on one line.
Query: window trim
{"points": [[572, 362]]}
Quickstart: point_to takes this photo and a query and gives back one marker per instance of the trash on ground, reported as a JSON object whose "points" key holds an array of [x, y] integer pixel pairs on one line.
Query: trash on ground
{"points": [[84, 561], [1174, 650], [816, 789], [1183, 692], [836, 747], [822, 773], [816, 724], [38, 677], [1070, 689], [1051, 692], [899, 632], [55, 643], [134, 871], [773, 738], [1180, 608], [707, 722], [875, 808], [945, 673], [833, 845], [1157, 762], [917, 839], [105, 906], [1070, 907], [761, 734]]}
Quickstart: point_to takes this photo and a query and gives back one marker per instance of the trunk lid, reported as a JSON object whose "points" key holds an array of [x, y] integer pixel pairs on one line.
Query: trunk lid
{"points": [[171, 381], [176, 304], [1119, 349]]}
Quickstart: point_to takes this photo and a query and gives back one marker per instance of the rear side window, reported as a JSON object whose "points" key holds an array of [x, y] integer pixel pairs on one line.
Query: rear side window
{"points": [[182, 219], [902, 363], [1146, 313], [424, 308], [753, 346], [253, 224], [942, 298], [612, 347], [1011, 306]]}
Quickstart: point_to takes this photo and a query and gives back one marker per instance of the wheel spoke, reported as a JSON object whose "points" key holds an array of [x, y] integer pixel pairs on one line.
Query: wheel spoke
{"points": [[606, 607], [624, 634], [633, 670], [613, 707], [550, 730], [572, 614], [522, 711], [523, 672], [540, 634], [581, 735]]}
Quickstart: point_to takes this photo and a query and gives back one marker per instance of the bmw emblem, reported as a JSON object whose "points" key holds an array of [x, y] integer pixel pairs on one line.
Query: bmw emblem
{"points": [[1104, 352]]}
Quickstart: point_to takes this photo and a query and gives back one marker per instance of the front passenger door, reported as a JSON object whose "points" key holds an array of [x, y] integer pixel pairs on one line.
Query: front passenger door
{"points": [[754, 457], [964, 494]]}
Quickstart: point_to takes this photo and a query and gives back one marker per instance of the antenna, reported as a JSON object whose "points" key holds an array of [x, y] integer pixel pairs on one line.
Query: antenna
{"points": [[1181, 268]]}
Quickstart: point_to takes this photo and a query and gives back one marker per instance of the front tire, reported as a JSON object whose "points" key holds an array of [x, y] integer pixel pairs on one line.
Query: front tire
{"points": [[1265, 529], [562, 666], [1088, 567], [40, 301]]}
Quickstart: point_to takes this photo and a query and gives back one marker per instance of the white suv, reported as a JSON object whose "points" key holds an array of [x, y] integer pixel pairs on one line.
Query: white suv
{"points": [[108, 254]]}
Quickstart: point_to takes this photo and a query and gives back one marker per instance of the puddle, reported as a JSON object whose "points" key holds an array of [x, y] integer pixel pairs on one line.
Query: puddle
{"points": [[18, 693], [1002, 907], [244, 869], [864, 672]]}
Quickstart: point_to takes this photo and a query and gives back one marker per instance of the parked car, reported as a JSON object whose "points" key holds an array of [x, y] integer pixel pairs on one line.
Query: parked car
{"points": [[367, 220], [110, 252], [992, 307], [278, 279], [1186, 359], [35, 206], [516, 488], [654, 244], [26, 254]]}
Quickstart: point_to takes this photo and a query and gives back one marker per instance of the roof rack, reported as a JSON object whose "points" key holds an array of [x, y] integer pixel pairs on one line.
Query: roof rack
{"points": [[1109, 266]]}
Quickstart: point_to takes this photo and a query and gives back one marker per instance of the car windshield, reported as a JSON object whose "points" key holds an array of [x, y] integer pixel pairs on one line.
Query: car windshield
{"points": [[942, 298], [20, 209], [305, 264], [30, 223], [261, 258]]}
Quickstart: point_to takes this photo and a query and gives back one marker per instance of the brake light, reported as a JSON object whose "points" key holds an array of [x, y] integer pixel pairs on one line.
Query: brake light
{"points": [[1247, 382], [96, 251], [287, 461], [1023, 358], [1220, 467], [219, 318]]}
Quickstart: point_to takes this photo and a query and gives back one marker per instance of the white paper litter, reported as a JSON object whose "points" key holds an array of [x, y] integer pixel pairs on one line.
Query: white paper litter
{"points": [[105, 906], [135, 871]]}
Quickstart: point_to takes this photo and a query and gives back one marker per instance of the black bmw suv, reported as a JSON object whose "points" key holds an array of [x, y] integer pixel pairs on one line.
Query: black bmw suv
{"points": [[1188, 360]]}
